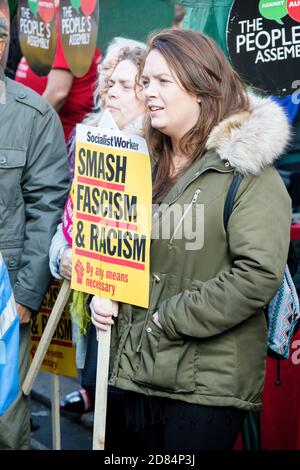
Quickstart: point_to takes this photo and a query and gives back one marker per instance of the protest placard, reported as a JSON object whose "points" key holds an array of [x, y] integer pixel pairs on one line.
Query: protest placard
{"points": [[60, 356], [79, 28], [38, 33], [263, 38], [112, 215]]}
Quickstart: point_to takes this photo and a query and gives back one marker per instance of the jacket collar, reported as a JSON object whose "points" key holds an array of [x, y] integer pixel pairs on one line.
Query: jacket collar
{"points": [[254, 139], [210, 161]]}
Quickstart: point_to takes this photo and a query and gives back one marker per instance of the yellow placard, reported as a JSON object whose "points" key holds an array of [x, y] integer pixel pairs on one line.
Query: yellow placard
{"points": [[112, 216], [60, 358]]}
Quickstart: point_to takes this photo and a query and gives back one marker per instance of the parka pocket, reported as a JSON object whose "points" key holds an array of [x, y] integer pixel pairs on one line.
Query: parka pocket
{"points": [[12, 162], [12, 257], [166, 364]]}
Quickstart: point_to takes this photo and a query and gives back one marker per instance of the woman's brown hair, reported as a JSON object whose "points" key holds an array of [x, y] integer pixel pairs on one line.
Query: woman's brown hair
{"points": [[202, 70]]}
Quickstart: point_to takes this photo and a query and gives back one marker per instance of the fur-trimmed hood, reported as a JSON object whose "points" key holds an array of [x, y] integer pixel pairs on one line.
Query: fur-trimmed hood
{"points": [[254, 139]]}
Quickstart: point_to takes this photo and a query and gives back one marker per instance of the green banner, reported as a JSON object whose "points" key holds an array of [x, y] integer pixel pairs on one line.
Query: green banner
{"points": [[133, 19], [209, 17], [79, 21], [38, 34], [13, 5]]}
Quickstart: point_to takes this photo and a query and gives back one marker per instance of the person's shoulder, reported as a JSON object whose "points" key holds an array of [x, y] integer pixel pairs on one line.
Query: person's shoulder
{"points": [[267, 175], [267, 185], [27, 97]]}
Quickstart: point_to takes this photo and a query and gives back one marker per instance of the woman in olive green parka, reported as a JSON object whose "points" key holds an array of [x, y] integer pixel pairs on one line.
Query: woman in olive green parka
{"points": [[197, 354]]}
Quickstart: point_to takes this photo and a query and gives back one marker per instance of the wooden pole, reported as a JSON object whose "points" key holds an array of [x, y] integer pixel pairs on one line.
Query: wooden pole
{"points": [[55, 414], [103, 338], [54, 318]]}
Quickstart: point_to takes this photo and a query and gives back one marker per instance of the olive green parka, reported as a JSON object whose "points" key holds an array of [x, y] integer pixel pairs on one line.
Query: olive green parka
{"points": [[209, 285]]}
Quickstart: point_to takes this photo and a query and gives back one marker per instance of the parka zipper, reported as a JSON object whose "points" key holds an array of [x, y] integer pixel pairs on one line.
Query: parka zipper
{"points": [[185, 213], [156, 279]]}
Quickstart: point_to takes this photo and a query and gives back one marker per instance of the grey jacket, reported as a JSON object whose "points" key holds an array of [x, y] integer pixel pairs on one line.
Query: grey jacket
{"points": [[34, 183]]}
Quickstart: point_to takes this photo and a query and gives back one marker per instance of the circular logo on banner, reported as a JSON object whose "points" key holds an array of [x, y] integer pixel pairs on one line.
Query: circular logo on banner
{"points": [[263, 40], [38, 33], [79, 28]]}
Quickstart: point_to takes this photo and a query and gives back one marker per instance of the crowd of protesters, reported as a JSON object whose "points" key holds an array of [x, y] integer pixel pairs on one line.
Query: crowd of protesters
{"points": [[185, 370]]}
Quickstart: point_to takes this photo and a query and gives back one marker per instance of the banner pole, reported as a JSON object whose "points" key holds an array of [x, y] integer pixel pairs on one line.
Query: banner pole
{"points": [[55, 412], [103, 338], [47, 336]]}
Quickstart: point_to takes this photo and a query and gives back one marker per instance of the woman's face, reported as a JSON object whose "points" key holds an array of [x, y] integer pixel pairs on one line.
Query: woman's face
{"points": [[171, 108], [121, 99]]}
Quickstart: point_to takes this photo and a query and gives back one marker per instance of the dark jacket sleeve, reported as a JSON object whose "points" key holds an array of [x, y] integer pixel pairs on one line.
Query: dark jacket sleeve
{"points": [[258, 237], [44, 185]]}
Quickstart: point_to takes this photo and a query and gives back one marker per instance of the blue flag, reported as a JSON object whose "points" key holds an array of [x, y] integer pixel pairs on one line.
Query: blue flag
{"points": [[9, 342], [289, 105]]}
